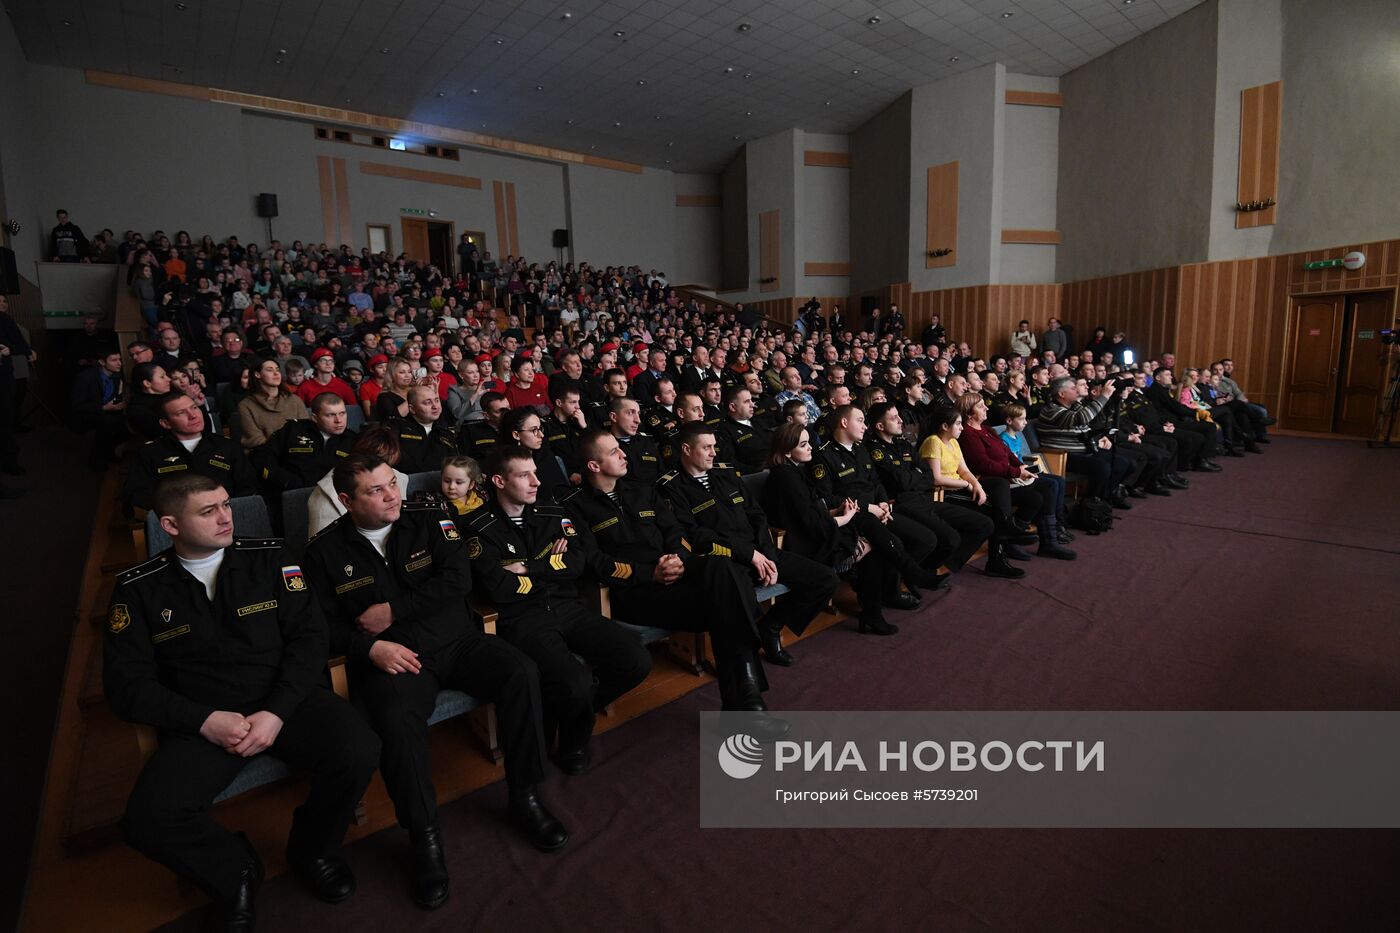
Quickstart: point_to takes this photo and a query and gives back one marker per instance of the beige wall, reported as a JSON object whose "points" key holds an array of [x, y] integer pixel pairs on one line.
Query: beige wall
{"points": [[880, 198]]}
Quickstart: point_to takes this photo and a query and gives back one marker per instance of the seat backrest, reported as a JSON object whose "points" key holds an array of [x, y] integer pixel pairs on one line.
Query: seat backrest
{"points": [[295, 521], [354, 417], [235, 426], [754, 483], [250, 520], [429, 481]]}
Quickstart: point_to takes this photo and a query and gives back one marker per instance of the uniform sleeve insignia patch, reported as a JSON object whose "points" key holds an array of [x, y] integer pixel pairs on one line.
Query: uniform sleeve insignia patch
{"points": [[568, 527], [449, 530], [473, 547], [118, 618], [292, 578], [819, 471], [877, 454]]}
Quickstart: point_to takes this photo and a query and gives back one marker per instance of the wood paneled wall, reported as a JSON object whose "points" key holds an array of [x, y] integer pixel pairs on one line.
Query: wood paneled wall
{"points": [[1240, 308], [1142, 305], [1261, 113]]}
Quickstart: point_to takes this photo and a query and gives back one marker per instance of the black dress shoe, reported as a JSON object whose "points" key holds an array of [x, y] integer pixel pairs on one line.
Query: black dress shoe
{"points": [[1064, 535], [1118, 502], [1137, 492], [1209, 466], [429, 868], [531, 817], [1252, 448], [939, 581], [238, 914], [997, 565], [1176, 481], [1020, 525], [1156, 489], [572, 762], [1234, 452], [1021, 538], [773, 651], [903, 600], [877, 626], [330, 879], [1014, 552]]}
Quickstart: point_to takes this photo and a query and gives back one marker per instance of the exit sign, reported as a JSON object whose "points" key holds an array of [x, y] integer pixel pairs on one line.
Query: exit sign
{"points": [[1323, 264], [419, 210]]}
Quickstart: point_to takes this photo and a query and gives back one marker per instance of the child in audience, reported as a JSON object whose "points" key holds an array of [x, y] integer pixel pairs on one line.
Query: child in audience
{"points": [[461, 481]]}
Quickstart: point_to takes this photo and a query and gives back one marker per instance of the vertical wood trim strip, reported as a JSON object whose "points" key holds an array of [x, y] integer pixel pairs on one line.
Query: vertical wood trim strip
{"points": [[342, 202], [941, 231], [511, 223], [502, 242], [328, 218]]}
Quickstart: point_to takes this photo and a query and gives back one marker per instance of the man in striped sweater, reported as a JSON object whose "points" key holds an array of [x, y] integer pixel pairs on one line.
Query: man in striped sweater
{"points": [[1067, 423]]}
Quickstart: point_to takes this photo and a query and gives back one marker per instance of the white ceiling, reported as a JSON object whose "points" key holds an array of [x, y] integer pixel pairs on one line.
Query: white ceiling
{"points": [[477, 64]]}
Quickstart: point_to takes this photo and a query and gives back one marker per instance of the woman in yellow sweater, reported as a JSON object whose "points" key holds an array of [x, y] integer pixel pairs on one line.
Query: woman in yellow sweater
{"points": [[961, 487]]}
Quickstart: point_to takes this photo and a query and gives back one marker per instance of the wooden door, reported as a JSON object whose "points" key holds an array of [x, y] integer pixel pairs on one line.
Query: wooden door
{"points": [[1363, 364], [1310, 386], [415, 239]]}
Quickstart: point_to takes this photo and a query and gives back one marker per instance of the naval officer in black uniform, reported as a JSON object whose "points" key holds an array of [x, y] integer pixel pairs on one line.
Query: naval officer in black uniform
{"points": [[217, 643], [393, 577], [186, 448], [527, 559]]}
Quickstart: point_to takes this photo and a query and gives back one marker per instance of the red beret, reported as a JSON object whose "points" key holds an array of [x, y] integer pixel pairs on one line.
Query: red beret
{"points": [[484, 358], [608, 347], [320, 352], [377, 359], [432, 352]]}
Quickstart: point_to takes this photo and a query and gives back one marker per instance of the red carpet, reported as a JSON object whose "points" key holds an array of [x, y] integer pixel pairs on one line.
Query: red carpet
{"points": [[1273, 585]]}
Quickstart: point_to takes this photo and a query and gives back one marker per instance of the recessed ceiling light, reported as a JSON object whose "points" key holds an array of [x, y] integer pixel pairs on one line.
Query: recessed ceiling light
{"points": [[729, 70], [828, 103], [592, 147], [748, 113], [500, 42], [954, 59], [619, 33], [67, 22], [281, 51], [442, 93], [738, 137], [474, 90], [617, 123], [855, 71], [670, 145], [570, 122], [539, 87], [641, 82], [668, 161], [744, 27], [181, 6], [1127, 2], [384, 51], [1007, 15], [748, 75], [483, 126], [567, 16], [874, 20]]}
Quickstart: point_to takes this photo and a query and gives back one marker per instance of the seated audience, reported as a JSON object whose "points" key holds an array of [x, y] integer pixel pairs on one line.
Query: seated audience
{"points": [[267, 406], [185, 447]]}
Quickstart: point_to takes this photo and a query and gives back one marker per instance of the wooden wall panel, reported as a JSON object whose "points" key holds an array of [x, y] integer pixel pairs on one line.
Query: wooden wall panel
{"points": [[511, 223], [1261, 113], [1039, 237], [826, 159], [1141, 304], [329, 224], [1036, 98], [770, 251], [415, 174], [826, 268], [342, 201], [498, 195], [942, 232]]}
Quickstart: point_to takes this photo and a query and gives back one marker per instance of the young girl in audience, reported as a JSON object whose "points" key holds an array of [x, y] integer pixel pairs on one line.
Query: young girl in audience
{"points": [[461, 481]]}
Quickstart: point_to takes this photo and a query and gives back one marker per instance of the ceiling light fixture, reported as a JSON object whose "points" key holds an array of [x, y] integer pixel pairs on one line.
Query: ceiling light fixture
{"points": [[384, 51], [619, 33], [744, 27], [748, 75], [748, 113], [67, 22], [539, 87], [855, 71], [566, 17], [874, 20], [181, 7], [500, 42], [729, 70], [641, 81], [442, 93], [593, 148], [1007, 15], [474, 91], [828, 103], [570, 122], [617, 123], [954, 59], [670, 145], [738, 137]]}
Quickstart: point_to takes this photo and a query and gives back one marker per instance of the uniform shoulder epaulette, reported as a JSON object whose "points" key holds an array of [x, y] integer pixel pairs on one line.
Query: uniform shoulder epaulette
{"points": [[257, 544], [668, 477], [550, 509], [481, 518], [159, 562], [724, 467], [570, 494], [419, 505], [324, 531]]}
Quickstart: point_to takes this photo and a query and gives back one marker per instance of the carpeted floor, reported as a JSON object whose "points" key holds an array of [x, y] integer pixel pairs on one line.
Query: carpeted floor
{"points": [[41, 552], [1271, 586]]}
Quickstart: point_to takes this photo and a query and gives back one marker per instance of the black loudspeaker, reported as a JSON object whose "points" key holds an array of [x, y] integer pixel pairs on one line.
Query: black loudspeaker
{"points": [[267, 205], [9, 272], [561, 239]]}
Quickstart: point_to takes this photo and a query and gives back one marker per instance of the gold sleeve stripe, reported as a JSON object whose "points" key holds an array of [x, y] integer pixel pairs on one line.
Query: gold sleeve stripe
{"points": [[685, 544], [557, 561], [621, 571], [523, 586], [719, 550]]}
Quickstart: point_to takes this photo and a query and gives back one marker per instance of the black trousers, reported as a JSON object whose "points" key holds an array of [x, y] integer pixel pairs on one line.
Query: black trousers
{"points": [[398, 706], [1101, 472], [1168, 446], [1005, 500], [1187, 446], [811, 586], [1146, 468], [715, 595], [167, 817], [959, 532], [552, 637], [1210, 445], [1249, 419]]}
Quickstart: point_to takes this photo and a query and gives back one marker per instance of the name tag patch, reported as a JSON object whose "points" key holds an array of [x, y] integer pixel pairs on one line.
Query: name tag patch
{"points": [[418, 564], [169, 634], [172, 468], [257, 607], [353, 585]]}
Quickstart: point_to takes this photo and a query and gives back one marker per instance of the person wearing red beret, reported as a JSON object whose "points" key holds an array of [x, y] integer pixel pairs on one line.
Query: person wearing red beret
{"points": [[324, 379]]}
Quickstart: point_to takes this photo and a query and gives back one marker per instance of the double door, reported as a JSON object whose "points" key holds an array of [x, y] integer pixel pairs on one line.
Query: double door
{"points": [[1337, 363]]}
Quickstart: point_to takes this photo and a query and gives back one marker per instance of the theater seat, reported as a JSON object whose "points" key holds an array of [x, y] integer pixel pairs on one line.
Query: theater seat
{"points": [[250, 520], [295, 520], [429, 481]]}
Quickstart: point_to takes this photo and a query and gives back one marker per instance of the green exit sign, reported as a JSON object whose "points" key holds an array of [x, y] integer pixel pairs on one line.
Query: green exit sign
{"points": [[419, 210], [1324, 264]]}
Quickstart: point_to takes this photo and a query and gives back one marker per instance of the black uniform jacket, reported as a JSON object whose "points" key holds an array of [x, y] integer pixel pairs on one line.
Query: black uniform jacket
{"points": [[298, 455], [494, 542], [721, 521], [898, 466], [792, 503], [215, 456], [425, 580], [637, 529], [421, 450], [841, 474], [172, 656]]}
